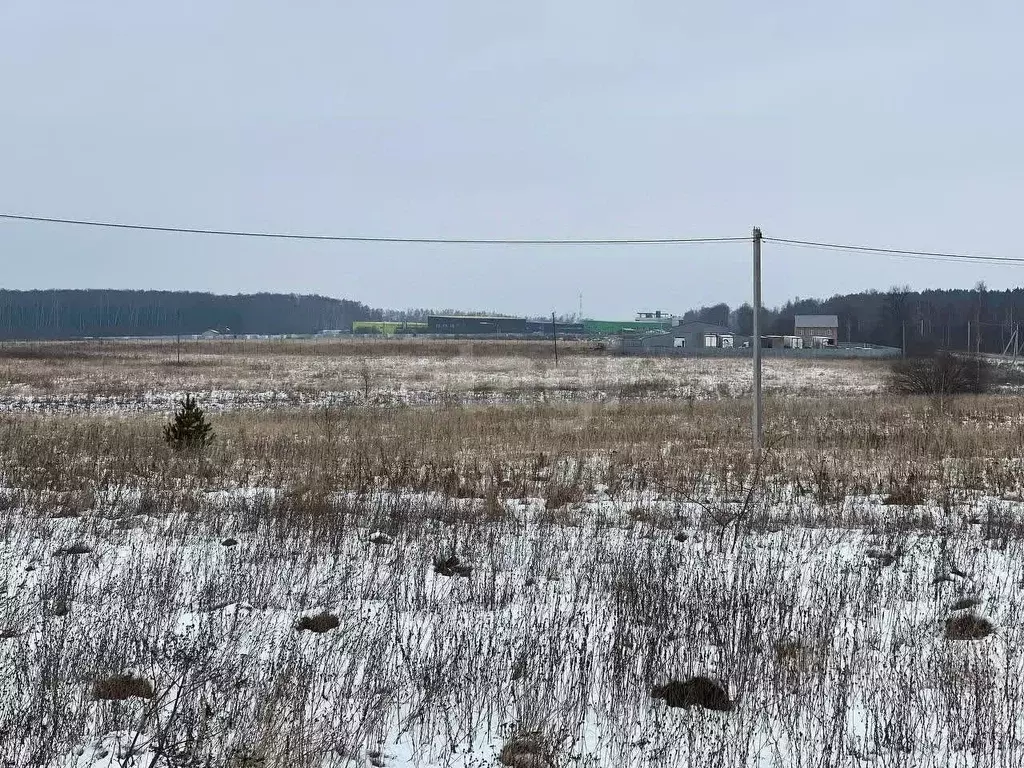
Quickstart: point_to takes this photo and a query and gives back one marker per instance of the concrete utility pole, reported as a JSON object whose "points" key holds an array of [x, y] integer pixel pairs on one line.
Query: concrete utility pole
{"points": [[758, 413], [554, 337]]}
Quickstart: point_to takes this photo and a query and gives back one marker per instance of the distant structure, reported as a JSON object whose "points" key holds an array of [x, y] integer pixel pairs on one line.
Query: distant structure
{"points": [[817, 331], [215, 333], [782, 342], [658, 316], [613, 327], [466, 325], [387, 327], [681, 335]]}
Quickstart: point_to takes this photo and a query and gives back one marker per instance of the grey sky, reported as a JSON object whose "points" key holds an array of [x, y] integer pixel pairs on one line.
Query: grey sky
{"points": [[877, 121]]}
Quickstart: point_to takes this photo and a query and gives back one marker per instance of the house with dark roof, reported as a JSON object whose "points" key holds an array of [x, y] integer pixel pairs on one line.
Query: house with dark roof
{"points": [[817, 330]]}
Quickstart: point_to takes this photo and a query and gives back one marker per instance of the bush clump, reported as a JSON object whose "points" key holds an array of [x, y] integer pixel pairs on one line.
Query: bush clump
{"points": [[941, 373]]}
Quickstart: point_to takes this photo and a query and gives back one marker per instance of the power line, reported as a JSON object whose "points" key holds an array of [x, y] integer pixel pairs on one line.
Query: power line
{"points": [[843, 247], [931, 255], [917, 257], [369, 239]]}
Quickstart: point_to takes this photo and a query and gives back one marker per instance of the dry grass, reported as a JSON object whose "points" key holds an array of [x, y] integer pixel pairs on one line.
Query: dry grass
{"points": [[130, 375], [511, 582], [901, 449]]}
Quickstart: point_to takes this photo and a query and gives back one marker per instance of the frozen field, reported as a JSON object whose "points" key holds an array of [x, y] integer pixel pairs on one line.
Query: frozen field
{"points": [[507, 582], [148, 376]]}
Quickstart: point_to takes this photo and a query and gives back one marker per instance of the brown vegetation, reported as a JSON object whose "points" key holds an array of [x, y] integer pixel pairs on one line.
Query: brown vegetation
{"points": [[122, 687], [611, 541]]}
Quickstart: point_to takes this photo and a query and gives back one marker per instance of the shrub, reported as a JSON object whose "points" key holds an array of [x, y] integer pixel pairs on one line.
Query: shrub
{"points": [[189, 430], [942, 373]]}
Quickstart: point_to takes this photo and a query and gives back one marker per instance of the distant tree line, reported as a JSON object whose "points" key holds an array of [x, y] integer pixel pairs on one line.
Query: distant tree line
{"points": [[936, 319], [61, 314]]}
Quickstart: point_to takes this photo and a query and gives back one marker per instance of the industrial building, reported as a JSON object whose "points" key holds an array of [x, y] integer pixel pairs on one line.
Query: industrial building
{"points": [[544, 327], [466, 325], [658, 317], [817, 330], [613, 327], [683, 335]]}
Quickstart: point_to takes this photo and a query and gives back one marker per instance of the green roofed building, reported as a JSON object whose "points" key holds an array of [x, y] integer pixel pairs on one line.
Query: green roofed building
{"points": [[387, 328]]}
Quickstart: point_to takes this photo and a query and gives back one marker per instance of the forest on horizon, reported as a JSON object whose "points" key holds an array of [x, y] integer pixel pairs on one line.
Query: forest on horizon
{"points": [[948, 319]]}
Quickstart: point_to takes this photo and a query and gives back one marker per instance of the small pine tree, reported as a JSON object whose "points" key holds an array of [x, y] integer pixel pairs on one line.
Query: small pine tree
{"points": [[189, 430]]}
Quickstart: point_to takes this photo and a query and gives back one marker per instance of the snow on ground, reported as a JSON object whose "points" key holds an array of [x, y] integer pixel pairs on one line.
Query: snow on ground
{"points": [[829, 634], [158, 611], [226, 383]]}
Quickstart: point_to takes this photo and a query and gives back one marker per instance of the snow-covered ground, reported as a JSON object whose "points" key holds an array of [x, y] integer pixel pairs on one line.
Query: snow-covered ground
{"points": [[828, 634], [152, 381], [458, 587]]}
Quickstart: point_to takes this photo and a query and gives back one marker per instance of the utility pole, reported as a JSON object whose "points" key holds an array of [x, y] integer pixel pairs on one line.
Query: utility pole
{"points": [[758, 413], [980, 288], [554, 337]]}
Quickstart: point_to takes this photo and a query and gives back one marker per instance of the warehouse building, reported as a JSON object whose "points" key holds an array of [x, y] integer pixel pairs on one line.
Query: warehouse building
{"points": [[545, 327], [685, 335], [465, 325]]}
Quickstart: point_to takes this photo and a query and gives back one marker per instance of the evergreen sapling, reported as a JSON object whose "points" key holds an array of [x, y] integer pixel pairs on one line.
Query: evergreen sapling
{"points": [[189, 430]]}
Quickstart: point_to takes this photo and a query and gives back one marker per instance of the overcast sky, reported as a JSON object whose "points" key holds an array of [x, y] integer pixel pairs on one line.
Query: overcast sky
{"points": [[884, 122]]}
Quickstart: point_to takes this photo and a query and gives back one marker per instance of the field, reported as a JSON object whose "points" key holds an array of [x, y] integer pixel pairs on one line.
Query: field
{"points": [[412, 553]]}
